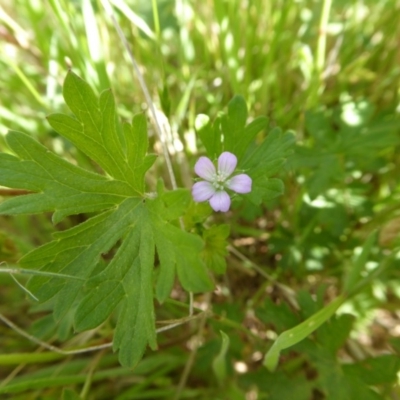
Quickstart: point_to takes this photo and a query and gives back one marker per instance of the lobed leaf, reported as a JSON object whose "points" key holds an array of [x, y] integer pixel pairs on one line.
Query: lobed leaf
{"points": [[128, 223], [94, 129], [267, 158], [180, 250], [76, 252], [265, 189], [210, 135], [97, 133], [65, 188], [215, 248], [136, 326], [260, 161], [233, 124]]}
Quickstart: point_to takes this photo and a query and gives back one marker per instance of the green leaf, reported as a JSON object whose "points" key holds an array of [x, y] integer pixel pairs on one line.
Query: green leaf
{"points": [[328, 171], [126, 279], [375, 371], [135, 136], [136, 326], [269, 157], [167, 268], [335, 332], [215, 249], [279, 315], [81, 245], [209, 134], [308, 304], [260, 161], [65, 188], [107, 288], [233, 124], [180, 250], [93, 130], [219, 362], [339, 386], [265, 189], [237, 136], [300, 332], [97, 133], [249, 134], [128, 227], [265, 160], [279, 386], [176, 203], [191, 271]]}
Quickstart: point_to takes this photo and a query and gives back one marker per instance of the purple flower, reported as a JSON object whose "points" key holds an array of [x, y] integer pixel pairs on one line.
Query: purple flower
{"points": [[215, 183]]}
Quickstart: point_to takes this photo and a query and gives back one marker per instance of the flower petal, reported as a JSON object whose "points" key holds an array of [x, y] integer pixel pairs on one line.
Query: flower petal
{"points": [[240, 183], [226, 163], [202, 191], [220, 201], [205, 169]]}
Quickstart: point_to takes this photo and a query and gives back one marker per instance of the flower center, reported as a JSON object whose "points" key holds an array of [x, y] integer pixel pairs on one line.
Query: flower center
{"points": [[219, 181]]}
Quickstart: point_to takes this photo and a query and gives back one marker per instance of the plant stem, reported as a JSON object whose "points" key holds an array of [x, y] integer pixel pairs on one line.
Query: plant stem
{"points": [[192, 356]]}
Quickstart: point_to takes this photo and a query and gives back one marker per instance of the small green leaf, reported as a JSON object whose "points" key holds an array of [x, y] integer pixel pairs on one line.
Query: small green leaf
{"points": [[269, 157], [233, 124], [237, 136], [280, 315], [95, 131], [209, 134], [335, 332], [249, 134], [219, 362], [265, 189], [300, 332], [215, 249], [136, 139], [328, 171], [178, 251], [175, 203], [265, 160], [166, 276], [186, 248]]}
